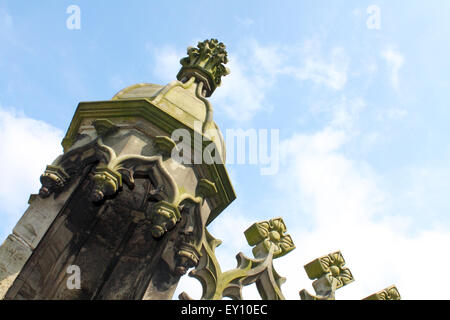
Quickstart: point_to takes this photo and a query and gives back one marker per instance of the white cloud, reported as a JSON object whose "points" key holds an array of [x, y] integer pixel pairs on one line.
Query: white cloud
{"points": [[395, 61], [5, 19], [246, 22], [330, 72], [349, 210], [392, 114], [335, 202], [242, 93], [166, 62], [256, 68], [357, 12], [26, 147]]}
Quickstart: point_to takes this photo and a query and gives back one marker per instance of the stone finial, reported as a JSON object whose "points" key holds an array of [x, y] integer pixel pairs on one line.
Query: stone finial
{"points": [[390, 293], [331, 274], [263, 235], [206, 64]]}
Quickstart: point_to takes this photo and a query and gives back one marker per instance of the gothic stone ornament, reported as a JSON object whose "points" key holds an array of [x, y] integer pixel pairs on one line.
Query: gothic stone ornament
{"points": [[109, 174], [164, 216], [263, 235], [390, 293], [206, 64], [331, 274], [217, 284], [104, 127], [112, 171], [59, 174], [205, 188], [165, 145], [106, 183], [54, 178], [189, 240]]}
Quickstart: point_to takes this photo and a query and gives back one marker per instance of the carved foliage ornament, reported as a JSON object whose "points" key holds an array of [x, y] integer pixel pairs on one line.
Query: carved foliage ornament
{"points": [[112, 171], [266, 234], [331, 274], [217, 284], [206, 63]]}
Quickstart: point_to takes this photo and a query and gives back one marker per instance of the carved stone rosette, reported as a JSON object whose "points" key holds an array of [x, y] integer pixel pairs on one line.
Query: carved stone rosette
{"points": [[267, 234], [390, 293], [331, 274], [260, 271]]}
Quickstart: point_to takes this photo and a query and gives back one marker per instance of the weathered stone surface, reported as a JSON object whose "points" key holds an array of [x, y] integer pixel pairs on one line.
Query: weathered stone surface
{"points": [[13, 255], [27, 233], [134, 222], [331, 274]]}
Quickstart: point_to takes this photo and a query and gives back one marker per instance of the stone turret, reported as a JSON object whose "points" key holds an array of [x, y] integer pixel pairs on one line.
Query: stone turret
{"points": [[117, 206]]}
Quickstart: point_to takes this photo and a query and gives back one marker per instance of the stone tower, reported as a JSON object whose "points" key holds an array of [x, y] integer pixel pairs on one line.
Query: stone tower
{"points": [[118, 207]]}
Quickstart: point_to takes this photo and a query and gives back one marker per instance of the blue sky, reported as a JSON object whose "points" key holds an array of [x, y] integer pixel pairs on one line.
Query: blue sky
{"points": [[362, 113]]}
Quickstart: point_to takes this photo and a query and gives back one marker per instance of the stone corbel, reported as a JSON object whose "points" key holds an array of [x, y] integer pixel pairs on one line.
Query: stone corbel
{"points": [[109, 175], [58, 175], [185, 253], [54, 178], [188, 243], [106, 183], [163, 216]]}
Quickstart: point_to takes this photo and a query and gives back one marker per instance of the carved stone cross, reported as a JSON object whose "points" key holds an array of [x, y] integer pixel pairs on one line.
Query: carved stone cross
{"points": [[270, 242], [263, 235], [331, 274]]}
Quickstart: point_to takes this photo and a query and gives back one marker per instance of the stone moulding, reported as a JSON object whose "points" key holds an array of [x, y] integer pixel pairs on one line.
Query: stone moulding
{"points": [[123, 110], [165, 145]]}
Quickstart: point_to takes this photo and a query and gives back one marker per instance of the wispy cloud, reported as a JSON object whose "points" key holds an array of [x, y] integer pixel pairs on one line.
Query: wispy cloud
{"points": [[166, 61], [349, 208], [7, 32], [395, 61], [246, 22], [328, 71], [242, 94], [256, 68], [26, 147]]}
